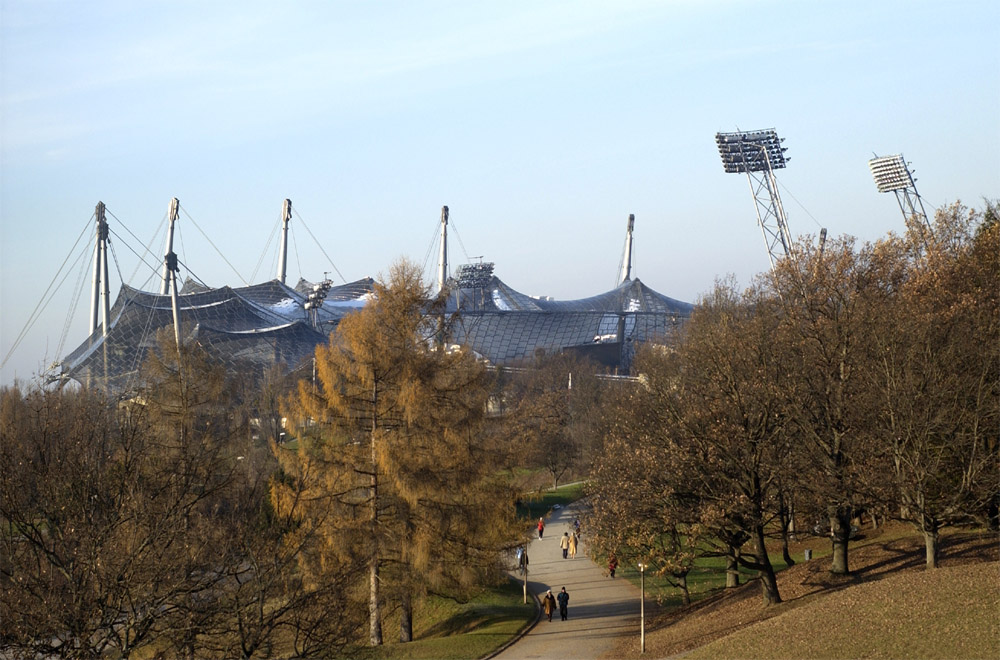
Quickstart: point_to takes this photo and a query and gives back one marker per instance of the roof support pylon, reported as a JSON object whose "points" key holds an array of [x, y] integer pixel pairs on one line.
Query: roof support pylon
{"points": [[170, 268], [172, 217], [100, 294], [627, 258], [443, 260], [286, 217]]}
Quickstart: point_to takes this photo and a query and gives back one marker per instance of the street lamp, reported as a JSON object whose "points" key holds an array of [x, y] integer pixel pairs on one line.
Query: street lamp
{"points": [[642, 608]]}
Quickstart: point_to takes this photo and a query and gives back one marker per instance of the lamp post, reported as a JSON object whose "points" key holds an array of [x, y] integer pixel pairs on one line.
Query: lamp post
{"points": [[642, 608]]}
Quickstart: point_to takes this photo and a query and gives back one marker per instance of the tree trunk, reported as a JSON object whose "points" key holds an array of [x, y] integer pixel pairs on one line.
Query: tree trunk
{"points": [[931, 538], [682, 583], [405, 618], [785, 518], [840, 526], [374, 611], [732, 568], [768, 582]]}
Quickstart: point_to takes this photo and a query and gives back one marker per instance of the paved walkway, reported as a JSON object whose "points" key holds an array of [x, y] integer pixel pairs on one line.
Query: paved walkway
{"points": [[600, 609]]}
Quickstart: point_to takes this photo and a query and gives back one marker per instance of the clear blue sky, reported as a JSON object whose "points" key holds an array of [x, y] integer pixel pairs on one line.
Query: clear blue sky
{"points": [[541, 124]]}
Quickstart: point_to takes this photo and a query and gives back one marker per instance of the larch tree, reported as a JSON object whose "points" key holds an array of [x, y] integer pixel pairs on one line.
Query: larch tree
{"points": [[391, 444]]}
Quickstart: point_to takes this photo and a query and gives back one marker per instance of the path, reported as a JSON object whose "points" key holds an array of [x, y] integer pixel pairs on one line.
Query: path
{"points": [[600, 609]]}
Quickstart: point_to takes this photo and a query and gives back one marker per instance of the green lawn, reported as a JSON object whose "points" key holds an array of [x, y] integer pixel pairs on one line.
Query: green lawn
{"points": [[707, 576], [539, 506], [444, 629]]}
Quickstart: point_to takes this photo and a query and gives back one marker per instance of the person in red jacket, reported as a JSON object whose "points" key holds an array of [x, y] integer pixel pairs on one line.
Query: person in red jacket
{"points": [[541, 527]]}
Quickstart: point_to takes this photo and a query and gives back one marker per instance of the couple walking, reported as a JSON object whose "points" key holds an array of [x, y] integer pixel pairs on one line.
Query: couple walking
{"points": [[549, 603], [568, 544]]}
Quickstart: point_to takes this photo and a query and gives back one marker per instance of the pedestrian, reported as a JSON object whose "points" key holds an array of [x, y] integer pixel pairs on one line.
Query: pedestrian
{"points": [[572, 545], [576, 526], [541, 527], [563, 599], [564, 543], [612, 565], [549, 604], [522, 559]]}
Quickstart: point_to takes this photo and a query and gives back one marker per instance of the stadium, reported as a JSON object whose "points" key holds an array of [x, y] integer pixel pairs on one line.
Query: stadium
{"points": [[249, 329]]}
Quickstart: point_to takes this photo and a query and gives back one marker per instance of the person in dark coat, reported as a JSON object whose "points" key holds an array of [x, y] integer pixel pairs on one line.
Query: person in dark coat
{"points": [[563, 599], [549, 604]]}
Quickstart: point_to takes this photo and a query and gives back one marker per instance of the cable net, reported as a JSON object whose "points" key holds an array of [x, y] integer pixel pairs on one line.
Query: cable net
{"points": [[250, 329]]}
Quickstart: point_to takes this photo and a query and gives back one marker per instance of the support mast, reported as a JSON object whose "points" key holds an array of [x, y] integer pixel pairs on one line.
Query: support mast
{"points": [[443, 261], [172, 216], [286, 217], [627, 259], [100, 295], [170, 268]]}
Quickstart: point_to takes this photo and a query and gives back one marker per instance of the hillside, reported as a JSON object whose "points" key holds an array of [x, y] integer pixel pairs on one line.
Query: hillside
{"points": [[888, 607]]}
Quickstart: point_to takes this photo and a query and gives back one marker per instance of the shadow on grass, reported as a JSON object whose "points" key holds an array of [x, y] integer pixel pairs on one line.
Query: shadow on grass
{"points": [[467, 622], [878, 560]]}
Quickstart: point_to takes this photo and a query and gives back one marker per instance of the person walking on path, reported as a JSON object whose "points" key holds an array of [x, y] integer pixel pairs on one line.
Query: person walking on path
{"points": [[541, 527], [572, 545], [522, 559], [612, 565], [549, 604], [563, 599], [564, 543]]}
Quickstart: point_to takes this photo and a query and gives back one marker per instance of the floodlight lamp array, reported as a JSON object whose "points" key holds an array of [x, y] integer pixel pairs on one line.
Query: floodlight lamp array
{"points": [[890, 173], [751, 151], [317, 295], [474, 276]]}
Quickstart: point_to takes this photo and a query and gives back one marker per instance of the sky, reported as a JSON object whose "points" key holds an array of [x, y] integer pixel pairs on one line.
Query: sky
{"points": [[542, 125]]}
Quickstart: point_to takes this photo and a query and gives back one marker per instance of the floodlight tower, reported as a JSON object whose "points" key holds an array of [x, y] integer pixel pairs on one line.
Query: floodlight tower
{"points": [[892, 174], [758, 154]]}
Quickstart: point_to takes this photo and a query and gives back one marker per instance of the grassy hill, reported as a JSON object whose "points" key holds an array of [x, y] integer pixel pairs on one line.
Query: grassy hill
{"points": [[889, 607], [951, 612]]}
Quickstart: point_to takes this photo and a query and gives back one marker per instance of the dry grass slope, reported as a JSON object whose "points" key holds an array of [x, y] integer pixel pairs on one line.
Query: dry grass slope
{"points": [[948, 613], [889, 607]]}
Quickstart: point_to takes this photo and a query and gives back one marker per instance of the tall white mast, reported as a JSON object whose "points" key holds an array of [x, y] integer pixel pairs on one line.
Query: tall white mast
{"points": [[286, 217], [170, 268], [627, 260], [105, 286], [95, 292], [99, 304], [443, 261], [172, 215]]}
